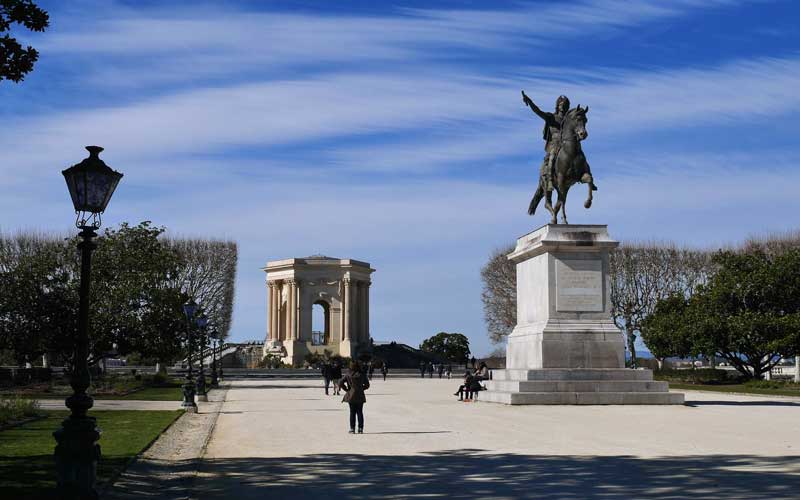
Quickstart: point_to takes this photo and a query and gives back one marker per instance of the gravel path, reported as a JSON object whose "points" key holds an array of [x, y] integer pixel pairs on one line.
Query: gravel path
{"points": [[166, 471], [114, 404]]}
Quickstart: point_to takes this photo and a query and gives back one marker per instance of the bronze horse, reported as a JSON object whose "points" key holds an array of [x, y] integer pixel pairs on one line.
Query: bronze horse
{"points": [[570, 166]]}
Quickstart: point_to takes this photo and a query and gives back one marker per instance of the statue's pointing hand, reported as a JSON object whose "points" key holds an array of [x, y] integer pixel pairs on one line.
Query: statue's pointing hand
{"points": [[526, 99]]}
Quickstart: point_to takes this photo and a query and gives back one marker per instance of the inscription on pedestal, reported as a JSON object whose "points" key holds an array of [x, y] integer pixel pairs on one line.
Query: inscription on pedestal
{"points": [[579, 285]]}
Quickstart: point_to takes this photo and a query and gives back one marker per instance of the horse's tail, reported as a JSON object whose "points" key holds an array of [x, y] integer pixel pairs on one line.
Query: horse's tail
{"points": [[537, 197]]}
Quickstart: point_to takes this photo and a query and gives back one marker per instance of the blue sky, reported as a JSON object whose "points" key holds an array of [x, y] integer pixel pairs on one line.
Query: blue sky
{"points": [[394, 132]]}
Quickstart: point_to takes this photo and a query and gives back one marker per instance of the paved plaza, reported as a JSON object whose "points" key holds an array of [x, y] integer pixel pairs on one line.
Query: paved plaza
{"points": [[286, 439]]}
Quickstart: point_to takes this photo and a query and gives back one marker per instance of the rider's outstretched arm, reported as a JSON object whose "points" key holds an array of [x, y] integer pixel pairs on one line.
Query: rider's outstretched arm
{"points": [[528, 102]]}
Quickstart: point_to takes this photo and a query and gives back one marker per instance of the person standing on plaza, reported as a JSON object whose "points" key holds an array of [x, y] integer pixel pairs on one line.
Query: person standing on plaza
{"points": [[354, 384], [326, 374], [449, 371], [422, 369], [441, 369], [430, 370], [384, 370], [336, 376]]}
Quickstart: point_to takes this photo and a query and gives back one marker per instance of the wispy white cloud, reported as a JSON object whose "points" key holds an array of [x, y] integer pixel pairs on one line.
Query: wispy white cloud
{"points": [[179, 45]]}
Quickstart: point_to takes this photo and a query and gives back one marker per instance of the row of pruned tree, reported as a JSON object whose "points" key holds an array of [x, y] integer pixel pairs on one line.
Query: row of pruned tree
{"points": [[739, 304], [140, 280]]}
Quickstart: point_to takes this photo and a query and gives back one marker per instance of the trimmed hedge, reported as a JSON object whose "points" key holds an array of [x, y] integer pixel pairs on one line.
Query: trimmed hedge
{"points": [[708, 376]]}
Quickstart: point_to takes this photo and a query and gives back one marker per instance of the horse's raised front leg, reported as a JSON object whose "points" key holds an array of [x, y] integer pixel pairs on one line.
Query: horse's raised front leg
{"points": [[587, 179]]}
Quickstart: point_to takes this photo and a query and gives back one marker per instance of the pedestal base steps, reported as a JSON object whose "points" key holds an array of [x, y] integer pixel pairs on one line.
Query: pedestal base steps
{"points": [[577, 387]]}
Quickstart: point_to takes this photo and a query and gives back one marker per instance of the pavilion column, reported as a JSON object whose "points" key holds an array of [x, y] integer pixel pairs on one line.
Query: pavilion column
{"points": [[347, 305], [273, 311], [367, 284], [270, 296], [296, 295], [277, 308], [289, 319]]}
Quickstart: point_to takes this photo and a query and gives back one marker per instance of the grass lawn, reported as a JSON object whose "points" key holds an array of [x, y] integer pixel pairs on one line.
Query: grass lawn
{"points": [[740, 388], [167, 393], [26, 452], [149, 394]]}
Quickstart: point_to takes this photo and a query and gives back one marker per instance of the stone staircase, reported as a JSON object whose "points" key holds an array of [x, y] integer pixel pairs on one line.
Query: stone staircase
{"points": [[598, 386]]}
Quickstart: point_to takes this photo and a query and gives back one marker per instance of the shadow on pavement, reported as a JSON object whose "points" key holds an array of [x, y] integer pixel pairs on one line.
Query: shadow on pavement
{"points": [[476, 474], [743, 403]]}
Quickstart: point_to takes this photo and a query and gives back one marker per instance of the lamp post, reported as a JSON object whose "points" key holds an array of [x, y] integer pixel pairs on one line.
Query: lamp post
{"points": [[220, 345], [91, 184], [189, 309], [202, 323], [214, 346]]}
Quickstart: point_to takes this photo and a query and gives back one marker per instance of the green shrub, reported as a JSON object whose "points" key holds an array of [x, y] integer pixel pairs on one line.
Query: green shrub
{"points": [[13, 408], [771, 384], [709, 376]]}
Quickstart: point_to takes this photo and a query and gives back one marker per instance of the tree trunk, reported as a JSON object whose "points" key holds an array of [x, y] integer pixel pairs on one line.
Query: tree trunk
{"points": [[631, 341], [797, 369]]}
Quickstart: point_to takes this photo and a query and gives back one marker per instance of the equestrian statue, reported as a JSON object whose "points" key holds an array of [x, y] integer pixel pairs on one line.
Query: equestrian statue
{"points": [[564, 163]]}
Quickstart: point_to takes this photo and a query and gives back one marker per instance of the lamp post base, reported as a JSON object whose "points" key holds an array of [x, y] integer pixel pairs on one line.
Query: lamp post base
{"points": [[188, 403], [202, 395], [76, 455]]}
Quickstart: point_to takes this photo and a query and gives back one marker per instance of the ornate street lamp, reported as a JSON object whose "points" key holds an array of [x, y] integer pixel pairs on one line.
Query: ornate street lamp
{"points": [[91, 184], [202, 323], [214, 346], [189, 309]]}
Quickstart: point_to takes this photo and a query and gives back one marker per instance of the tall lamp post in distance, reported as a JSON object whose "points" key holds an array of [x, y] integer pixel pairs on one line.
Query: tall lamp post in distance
{"points": [[214, 346], [91, 184], [202, 323], [189, 310]]}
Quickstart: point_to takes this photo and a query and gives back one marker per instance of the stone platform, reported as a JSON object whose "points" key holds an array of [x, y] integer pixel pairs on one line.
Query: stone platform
{"points": [[565, 348], [577, 387]]}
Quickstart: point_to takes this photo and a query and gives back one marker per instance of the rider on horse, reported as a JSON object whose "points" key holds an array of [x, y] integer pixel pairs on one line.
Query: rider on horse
{"points": [[552, 137]]}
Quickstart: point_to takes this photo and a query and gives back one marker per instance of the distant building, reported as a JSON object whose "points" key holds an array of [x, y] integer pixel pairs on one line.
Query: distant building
{"points": [[340, 286]]}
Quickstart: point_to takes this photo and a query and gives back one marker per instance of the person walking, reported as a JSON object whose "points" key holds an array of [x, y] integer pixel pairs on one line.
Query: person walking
{"points": [[336, 376], [430, 370], [449, 371], [422, 369], [384, 370], [354, 384], [441, 369], [326, 374]]}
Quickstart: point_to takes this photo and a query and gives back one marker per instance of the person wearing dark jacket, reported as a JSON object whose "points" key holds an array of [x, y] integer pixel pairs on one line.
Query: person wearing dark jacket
{"points": [[465, 387], [354, 384], [326, 374], [336, 376]]}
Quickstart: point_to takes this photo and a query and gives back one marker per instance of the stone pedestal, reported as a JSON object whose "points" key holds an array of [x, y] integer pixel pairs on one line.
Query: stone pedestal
{"points": [[565, 348], [295, 352]]}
